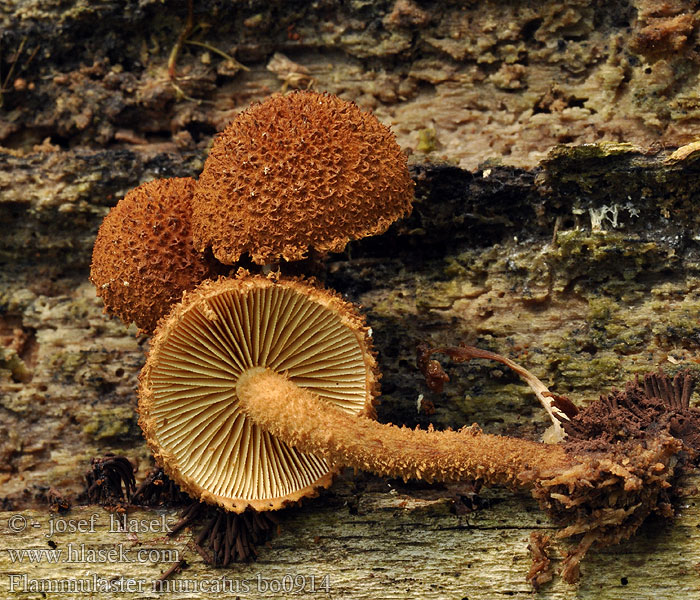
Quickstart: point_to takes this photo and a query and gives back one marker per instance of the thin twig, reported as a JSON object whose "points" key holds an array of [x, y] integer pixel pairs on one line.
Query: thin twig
{"points": [[14, 63], [184, 34], [175, 568], [211, 48]]}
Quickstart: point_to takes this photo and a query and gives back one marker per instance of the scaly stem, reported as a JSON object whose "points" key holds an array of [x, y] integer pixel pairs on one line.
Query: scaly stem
{"points": [[299, 418], [603, 495]]}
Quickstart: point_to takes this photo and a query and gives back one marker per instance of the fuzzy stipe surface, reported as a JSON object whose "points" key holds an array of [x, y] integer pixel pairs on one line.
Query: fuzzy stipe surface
{"points": [[603, 496]]}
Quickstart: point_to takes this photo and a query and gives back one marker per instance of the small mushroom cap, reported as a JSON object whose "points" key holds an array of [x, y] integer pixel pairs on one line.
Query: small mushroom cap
{"points": [[188, 407], [300, 171], [143, 258]]}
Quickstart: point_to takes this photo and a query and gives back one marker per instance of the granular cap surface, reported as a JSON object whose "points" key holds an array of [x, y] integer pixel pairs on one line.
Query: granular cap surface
{"points": [[143, 258], [300, 171]]}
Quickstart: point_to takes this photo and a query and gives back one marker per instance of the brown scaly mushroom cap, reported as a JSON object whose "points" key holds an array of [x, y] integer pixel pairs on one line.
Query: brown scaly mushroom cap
{"points": [[143, 258], [189, 411], [300, 171]]}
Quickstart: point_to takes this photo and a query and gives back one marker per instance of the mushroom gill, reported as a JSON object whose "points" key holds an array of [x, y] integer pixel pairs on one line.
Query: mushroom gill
{"points": [[255, 389], [188, 406]]}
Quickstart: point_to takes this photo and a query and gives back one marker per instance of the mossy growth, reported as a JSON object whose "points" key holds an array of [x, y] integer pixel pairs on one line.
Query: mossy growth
{"points": [[111, 423], [12, 367], [583, 312], [427, 140], [610, 260], [67, 362]]}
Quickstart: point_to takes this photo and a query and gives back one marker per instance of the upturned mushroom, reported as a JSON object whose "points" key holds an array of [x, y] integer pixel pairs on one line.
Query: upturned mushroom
{"points": [[300, 171], [189, 411], [297, 172], [246, 371], [143, 257]]}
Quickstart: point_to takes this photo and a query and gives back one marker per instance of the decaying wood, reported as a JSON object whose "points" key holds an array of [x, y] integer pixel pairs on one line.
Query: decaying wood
{"points": [[391, 542], [475, 82], [582, 321], [581, 263]]}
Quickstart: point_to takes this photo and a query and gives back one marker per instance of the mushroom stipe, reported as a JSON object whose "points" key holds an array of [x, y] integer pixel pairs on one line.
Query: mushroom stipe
{"points": [[604, 496]]}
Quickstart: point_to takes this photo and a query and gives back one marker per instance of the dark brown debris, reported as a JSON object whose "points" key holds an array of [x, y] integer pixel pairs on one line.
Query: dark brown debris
{"points": [[607, 494], [157, 489], [571, 569], [110, 481], [631, 446], [564, 405], [654, 404], [468, 500], [224, 537], [57, 502], [645, 436], [174, 569], [227, 537], [188, 516], [541, 569], [435, 376]]}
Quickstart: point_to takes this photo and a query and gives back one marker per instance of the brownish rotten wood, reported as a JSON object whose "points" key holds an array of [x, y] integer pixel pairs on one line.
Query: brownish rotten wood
{"points": [[583, 266]]}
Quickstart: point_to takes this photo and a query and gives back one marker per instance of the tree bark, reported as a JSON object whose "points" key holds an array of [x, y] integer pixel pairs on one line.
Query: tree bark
{"points": [[580, 262]]}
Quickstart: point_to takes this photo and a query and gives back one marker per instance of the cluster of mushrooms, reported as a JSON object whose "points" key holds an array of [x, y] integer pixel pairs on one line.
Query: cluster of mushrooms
{"points": [[258, 388]]}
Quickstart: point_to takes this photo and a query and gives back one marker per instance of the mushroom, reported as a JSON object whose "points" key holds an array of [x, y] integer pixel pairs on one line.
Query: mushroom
{"points": [[247, 370], [188, 407], [143, 258], [303, 171], [300, 171]]}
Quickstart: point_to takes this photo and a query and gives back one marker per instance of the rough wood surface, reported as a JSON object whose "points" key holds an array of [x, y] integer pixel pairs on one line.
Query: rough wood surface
{"points": [[467, 81], [585, 312], [582, 263], [393, 543]]}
